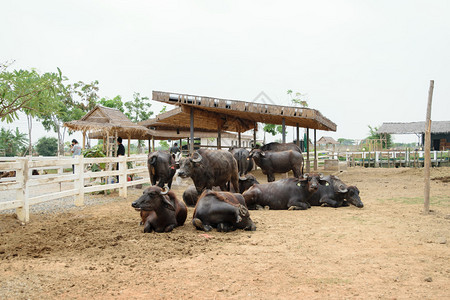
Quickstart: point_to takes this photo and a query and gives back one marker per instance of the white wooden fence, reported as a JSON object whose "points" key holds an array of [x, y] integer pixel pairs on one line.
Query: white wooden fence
{"points": [[82, 179]]}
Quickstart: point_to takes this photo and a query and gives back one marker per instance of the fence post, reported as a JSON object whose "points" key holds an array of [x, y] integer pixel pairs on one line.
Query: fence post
{"points": [[23, 213], [79, 183], [123, 176]]}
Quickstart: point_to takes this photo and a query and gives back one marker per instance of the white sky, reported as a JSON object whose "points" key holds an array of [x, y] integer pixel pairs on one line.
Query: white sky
{"points": [[360, 62]]}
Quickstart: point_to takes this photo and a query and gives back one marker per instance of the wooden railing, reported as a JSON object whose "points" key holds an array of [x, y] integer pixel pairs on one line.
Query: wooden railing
{"points": [[82, 179]]}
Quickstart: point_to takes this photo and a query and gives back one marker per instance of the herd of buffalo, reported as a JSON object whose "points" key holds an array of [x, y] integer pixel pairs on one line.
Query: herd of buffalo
{"points": [[224, 190]]}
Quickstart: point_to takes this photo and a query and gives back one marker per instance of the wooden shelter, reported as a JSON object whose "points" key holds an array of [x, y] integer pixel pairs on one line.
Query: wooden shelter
{"points": [[208, 113], [108, 124]]}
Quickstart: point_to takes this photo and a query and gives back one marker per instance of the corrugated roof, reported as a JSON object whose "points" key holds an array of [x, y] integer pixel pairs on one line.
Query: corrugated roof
{"points": [[414, 127]]}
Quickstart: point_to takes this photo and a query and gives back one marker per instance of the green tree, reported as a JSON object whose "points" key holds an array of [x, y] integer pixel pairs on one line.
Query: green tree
{"points": [[346, 142], [84, 95], [13, 143], [374, 135], [164, 145], [273, 129], [115, 102], [47, 146], [298, 98], [138, 110]]}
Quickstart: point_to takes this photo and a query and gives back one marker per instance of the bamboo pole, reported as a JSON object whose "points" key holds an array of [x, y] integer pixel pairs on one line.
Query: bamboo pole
{"points": [[191, 144], [427, 159], [315, 151], [308, 166]]}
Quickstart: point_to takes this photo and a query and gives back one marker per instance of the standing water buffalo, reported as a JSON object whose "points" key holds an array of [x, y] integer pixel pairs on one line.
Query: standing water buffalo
{"points": [[209, 168], [272, 162], [288, 193], [160, 209], [190, 195], [222, 210], [336, 193], [161, 167], [245, 164], [280, 147]]}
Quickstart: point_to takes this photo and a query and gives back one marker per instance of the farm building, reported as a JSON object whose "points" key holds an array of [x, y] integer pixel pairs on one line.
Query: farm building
{"points": [[440, 132]]}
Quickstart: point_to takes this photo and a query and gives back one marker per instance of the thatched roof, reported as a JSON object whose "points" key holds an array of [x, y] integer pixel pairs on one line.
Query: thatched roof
{"points": [[326, 140], [414, 127], [236, 116], [104, 120]]}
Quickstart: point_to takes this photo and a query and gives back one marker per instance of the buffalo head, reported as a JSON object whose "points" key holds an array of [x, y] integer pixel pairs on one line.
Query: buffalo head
{"points": [[153, 198], [353, 197], [188, 164], [312, 181]]}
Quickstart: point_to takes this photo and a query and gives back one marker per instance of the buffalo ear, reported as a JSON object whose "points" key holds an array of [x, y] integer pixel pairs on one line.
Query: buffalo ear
{"points": [[167, 204], [263, 154]]}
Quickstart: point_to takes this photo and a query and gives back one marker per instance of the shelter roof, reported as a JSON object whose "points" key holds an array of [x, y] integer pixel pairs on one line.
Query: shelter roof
{"points": [[233, 115], [105, 120], [325, 140], [414, 127]]}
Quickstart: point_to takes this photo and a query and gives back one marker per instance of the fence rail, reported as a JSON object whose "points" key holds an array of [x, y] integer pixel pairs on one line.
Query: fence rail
{"points": [[82, 179]]}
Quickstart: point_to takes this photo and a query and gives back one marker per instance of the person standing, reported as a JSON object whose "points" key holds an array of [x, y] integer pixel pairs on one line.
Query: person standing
{"points": [[175, 149], [120, 151], [76, 150]]}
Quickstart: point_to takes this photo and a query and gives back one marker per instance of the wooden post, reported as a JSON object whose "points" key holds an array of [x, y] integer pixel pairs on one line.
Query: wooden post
{"points": [[191, 145], [84, 140], [123, 176], [308, 165], [315, 151], [427, 159], [23, 212], [283, 130], [149, 145], [219, 134], [129, 140], [298, 136], [239, 138], [255, 128], [79, 183]]}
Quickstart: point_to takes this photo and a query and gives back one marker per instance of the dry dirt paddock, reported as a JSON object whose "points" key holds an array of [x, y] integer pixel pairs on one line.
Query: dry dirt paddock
{"points": [[386, 250]]}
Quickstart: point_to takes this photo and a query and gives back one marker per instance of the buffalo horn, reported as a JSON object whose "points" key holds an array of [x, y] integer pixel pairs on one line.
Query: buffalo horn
{"points": [[198, 159], [165, 190]]}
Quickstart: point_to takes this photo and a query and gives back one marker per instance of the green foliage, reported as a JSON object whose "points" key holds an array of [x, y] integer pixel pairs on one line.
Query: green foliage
{"points": [[138, 109], [96, 151], [346, 142], [27, 91], [13, 143], [84, 95], [273, 129], [374, 135], [164, 145], [164, 109], [298, 98], [47, 146], [116, 102]]}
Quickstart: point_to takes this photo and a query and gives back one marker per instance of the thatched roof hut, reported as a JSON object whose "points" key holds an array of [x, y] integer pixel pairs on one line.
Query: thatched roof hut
{"points": [[414, 127], [327, 140]]}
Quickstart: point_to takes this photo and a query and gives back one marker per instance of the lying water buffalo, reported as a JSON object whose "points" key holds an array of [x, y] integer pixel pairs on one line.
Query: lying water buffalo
{"points": [[160, 209], [288, 193], [190, 195], [222, 210], [245, 164], [161, 167], [272, 162], [335, 193], [209, 168]]}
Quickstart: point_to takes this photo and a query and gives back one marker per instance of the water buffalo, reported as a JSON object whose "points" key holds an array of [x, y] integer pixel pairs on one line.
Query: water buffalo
{"points": [[288, 193], [280, 147], [160, 209], [190, 195], [209, 168], [272, 162], [335, 193], [161, 167], [222, 210], [245, 164]]}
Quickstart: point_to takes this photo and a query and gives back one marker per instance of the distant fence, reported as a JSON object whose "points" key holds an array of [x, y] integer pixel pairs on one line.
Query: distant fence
{"points": [[83, 178]]}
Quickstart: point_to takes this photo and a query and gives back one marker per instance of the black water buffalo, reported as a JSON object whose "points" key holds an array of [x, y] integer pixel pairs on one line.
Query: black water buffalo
{"points": [[245, 164], [335, 193], [272, 162], [288, 193], [209, 168], [190, 195], [161, 168], [222, 210], [280, 147], [160, 209]]}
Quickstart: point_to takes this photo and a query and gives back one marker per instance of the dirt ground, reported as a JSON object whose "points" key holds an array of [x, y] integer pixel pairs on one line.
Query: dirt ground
{"points": [[386, 250]]}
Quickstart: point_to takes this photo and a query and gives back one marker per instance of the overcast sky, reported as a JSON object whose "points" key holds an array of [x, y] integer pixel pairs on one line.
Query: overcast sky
{"points": [[359, 62]]}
